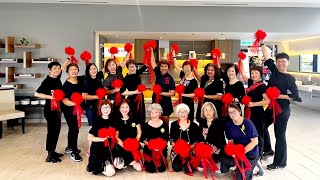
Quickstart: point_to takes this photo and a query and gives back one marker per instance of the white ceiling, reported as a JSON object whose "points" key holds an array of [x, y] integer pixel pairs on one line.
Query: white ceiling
{"points": [[188, 36], [238, 3]]}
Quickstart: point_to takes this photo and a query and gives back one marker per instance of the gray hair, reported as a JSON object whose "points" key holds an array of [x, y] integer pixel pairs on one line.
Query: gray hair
{"points": [[215, 114], [182, 106], [154, 106]]}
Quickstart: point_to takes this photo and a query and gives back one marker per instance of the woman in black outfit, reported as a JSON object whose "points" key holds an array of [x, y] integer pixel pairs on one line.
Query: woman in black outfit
{"points": [[289, 91], [127, 127], [213, 129], [92, 83], [72, 84], [165, 80], [189, 83], [154, 128], [100, 156], [131, 82], [186, 130], [257, 91], [213, 86], [45, 91]]}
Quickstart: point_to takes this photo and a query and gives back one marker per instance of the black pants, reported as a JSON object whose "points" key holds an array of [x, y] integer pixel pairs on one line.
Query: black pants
{"points": [[258, 119], [127, 156], [150, 166], [73, 130], [178, 166], [280, 128], [227, 162], [53, 128], [269, 120]]}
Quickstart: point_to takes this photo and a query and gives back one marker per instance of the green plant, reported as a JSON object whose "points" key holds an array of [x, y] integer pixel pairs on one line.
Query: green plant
{"points": [[24, 41]]}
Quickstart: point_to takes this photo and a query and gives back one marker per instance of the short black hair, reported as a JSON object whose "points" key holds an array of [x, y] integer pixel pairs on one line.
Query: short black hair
{"points": [[131, 61], [88, 69], [282, 56], [54, 63], [257, 68], [71, 65], [232, 65]]}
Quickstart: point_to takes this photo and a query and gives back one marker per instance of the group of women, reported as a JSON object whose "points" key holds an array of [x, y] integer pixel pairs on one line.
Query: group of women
{"points": [[211, 122]]}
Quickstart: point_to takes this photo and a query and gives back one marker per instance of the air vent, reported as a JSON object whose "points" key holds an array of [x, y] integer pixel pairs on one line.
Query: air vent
{"points": [[84, 1]]}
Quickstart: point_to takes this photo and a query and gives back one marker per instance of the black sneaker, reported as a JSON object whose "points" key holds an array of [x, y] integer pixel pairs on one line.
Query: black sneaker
{"points": [[69, 150], [267, 154], [274, 167], [53, 159], [75, 157], [57, 154]]}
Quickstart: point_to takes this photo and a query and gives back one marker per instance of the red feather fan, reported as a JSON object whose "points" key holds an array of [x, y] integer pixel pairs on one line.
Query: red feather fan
{"points": [[226, 100], [245, 101], [259, 36], [199, 95], [273, 93], [58, 95], [77, 110], [180, 90], [203, 153], [101, 93], [216, 53], [86, 57], [157, 90], [117, 83], [141, 88], [242, 56], [238, 152], [157, 146]]}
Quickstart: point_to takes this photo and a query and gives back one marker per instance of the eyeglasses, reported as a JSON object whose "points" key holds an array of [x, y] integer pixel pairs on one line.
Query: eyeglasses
{"points": [[281, 61], [232, 112]]}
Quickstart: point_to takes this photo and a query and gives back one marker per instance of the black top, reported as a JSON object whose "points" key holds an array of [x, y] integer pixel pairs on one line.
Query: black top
{"points": [[100, 123], [191, 134], [189, 85], [90, 86], [165, 81], [127, 128], [149, 132], [214, 135], [107, 82], [69, 88], [284, 82], [47, 87], [236, 89], [131, 81], [256, 94], [211, 88]]}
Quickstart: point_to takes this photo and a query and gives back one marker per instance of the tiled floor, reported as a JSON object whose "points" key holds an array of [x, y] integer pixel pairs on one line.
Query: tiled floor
{"points": [[22, 156]]}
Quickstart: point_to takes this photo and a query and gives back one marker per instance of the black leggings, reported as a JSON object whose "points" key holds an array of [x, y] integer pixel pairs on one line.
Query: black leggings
{"points": [[73, 131], [150, 166], [53, 128]]}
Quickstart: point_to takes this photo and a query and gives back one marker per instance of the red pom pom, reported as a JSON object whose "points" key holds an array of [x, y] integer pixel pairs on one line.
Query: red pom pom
{"points": [[227, 98], [246, 100], [242, 55], [202, 150], [194, 63], [157, 144], [69, 51], [180, 89], [58, 94], [182, 148], [131, 144], [117, 83], [101, 93], [76, 98], [146, 46], [229, 149], [102, 133], [273, 92], [141, 87], [113, 50], [239, 151], [128, 47], [152, 43], [85, 56], [216, 52], [111, 132], [199, 93], [260, 35], [157, 89], [175, 47]]}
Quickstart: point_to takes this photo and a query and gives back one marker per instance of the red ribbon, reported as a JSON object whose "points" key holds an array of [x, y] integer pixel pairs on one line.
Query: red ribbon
{"points": [[276, 108], [138, 100], [241, 167], [247, 113], [78, 111], [55, 105], [117, 99]]}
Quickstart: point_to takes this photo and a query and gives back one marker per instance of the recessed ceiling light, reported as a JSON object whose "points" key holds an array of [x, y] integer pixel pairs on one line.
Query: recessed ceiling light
{"points": [[160, 37], [117, 36]]}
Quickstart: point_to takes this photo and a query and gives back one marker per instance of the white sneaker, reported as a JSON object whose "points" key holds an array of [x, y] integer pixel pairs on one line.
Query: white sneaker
{"points": [[137, 166], [109, 170], [200, 169]]}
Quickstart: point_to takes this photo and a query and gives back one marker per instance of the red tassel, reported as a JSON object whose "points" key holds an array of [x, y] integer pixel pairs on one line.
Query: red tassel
{"points": [[194, 63], [180, 90], [117, 83], [74, 60], [58, 96], [157, 90], [69, 51], [226, 99], [175, 48], [245, 101], [101, 93], [216, 53], [86, 56], [77, 110], [128, 48], [273, 93], [141, 88], [259, 36], [242, 56]]}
